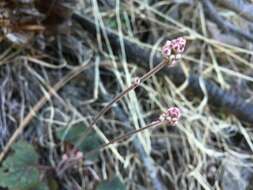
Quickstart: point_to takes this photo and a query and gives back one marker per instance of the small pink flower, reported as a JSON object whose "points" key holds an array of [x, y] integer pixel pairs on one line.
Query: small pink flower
{"points": [[178, 45], [172, 50], [166, 50], [171, 116], [65, 157], [174, 112], [79, 155]]}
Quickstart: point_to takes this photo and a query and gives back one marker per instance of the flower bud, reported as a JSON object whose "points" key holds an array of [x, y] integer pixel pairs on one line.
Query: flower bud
{"points": [[166, 50], [172, 50], [171, 116]]}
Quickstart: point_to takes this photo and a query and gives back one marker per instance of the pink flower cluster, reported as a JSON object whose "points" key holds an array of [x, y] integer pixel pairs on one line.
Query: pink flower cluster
{"points": [[77, 155], [171, 116], [173, 49]]}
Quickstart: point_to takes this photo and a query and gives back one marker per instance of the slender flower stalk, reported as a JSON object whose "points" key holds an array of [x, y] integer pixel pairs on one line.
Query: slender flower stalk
{"points": [[171, 51], [134, 85], [170, 117]]}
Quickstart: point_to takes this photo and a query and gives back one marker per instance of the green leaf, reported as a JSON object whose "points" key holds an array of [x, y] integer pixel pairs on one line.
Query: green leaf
{"points": [[19, 171], [52, 184], [24, 155], [76, 132], [114, 184], [22, 179], [42, 186]]}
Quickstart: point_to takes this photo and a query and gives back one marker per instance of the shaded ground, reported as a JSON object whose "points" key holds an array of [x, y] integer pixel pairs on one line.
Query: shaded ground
{"points": [[210, 148]]}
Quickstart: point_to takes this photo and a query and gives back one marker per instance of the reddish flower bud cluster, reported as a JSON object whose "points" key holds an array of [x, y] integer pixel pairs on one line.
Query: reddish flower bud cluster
{"points": [[77, 155], [171, 116], [173, 50]]}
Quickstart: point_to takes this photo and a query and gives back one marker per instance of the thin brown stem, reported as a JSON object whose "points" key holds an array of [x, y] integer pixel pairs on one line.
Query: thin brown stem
{"points": [[131, 133], [118, 97], [65, 165], [109, 105], [154, 70]]}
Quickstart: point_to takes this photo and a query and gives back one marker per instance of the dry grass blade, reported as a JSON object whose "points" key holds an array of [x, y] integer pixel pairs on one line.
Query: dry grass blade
{"points": [[210, 148], [38, 106]]}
